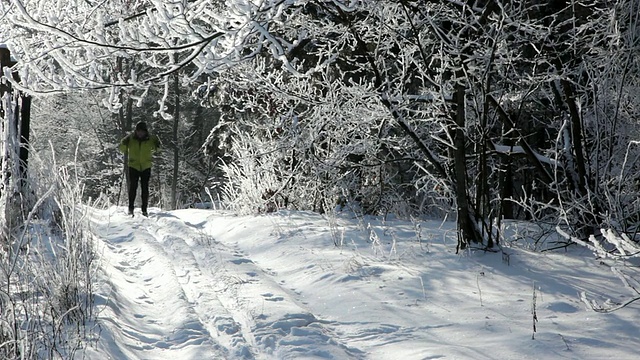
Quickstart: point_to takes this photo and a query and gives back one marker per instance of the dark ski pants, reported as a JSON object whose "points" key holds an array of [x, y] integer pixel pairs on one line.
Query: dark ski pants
{"points": [[142, 176]]}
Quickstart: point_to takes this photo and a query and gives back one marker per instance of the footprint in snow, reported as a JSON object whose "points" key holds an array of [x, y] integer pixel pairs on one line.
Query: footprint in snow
{"points": [[271, 297], [242, 261]]}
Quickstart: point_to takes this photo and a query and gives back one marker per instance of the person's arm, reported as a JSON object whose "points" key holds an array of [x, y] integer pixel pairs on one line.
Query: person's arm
{"points": [[124, 144]]}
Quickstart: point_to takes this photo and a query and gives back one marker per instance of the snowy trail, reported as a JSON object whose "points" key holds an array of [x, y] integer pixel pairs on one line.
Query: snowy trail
{"points": [[163, 300], [263, 317], [149, 301], [198, 284]]}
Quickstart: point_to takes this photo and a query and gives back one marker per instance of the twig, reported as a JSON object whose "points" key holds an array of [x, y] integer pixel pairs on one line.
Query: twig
{"points": [[565, 342], [479, 291], [534, 312], [424, 292]]}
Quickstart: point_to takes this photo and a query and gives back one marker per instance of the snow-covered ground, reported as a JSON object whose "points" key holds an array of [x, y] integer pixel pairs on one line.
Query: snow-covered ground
{"points": [[203, 284]]}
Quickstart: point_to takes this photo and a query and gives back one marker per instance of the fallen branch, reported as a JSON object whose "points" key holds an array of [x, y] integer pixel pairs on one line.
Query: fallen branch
{"points": [[623, 249]]}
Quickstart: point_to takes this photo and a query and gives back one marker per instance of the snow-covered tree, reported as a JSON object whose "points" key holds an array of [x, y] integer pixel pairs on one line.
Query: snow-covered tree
{"points": [[498, 106], [482, 103]]}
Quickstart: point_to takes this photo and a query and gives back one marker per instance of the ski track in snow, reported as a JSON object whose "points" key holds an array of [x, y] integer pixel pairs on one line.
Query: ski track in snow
{"points": [[195, 284], [153, 309], [200, 303]]}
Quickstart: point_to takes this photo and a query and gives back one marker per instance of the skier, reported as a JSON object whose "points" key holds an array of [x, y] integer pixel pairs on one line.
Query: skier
{"points": [[140, 146]]}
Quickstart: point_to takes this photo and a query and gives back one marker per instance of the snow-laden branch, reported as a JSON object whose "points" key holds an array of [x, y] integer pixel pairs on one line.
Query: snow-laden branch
{"points": [[65, 46], [617, 248], [514, 149]]}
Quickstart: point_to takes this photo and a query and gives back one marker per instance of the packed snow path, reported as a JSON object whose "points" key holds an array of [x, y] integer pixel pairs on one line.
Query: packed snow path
{"points": [[197, 284], [180, 294]]}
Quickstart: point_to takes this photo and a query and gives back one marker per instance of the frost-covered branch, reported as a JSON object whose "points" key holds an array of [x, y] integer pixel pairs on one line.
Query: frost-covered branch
{"points": [[73, 46], [618, 248]]}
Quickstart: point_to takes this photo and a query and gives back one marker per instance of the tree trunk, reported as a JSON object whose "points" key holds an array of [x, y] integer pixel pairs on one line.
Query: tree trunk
{"points": [[125, 119], [467, 232], [25, 124], [176, 118], [21, 121], [576, 137]]}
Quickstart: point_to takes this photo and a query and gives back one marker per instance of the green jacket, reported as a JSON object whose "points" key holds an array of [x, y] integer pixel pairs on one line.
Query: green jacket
{"points": [[140, 151]]}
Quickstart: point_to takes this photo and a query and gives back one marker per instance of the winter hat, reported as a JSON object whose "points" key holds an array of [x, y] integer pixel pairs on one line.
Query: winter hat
{"points": [[141, 126]]}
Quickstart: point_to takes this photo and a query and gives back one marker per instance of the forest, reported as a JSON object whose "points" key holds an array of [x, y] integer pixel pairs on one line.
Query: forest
{"points": [[478, 111]]}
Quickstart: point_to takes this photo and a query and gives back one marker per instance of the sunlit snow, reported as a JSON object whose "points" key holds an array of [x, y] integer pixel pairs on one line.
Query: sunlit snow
{"points": [[204, 284]]}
